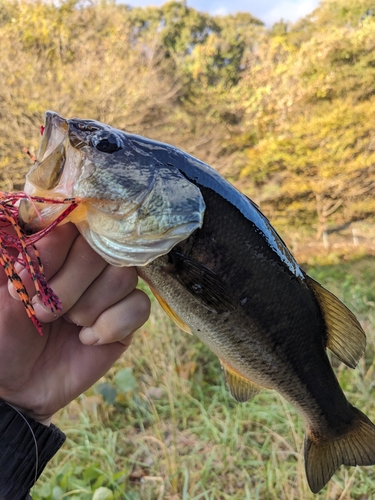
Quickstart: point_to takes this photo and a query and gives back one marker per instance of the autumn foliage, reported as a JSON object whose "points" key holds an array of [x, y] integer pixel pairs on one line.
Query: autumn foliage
{"points": [[286, 113]]}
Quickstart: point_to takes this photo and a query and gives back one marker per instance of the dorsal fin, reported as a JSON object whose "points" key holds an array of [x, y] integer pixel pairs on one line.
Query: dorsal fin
{"points": [[346, 337], [171, 313], [240, 387]]}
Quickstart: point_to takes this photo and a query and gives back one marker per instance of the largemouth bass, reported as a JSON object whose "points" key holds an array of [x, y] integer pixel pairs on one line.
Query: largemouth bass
{"points": [[219, 270]]}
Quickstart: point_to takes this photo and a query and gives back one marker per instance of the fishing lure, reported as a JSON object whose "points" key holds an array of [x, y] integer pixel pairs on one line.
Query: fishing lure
{"points": [[28, 255]]}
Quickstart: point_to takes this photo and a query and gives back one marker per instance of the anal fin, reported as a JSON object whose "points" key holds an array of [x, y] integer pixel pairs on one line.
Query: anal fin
{"points": [[241, 388], [171, 313], [346, 337]]}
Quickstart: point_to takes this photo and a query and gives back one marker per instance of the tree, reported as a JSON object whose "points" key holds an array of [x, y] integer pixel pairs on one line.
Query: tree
{"points": [[324, 163]]}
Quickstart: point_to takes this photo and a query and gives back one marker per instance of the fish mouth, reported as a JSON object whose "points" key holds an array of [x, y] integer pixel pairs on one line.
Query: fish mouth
{"points": [[44, 177], [132, 207]]}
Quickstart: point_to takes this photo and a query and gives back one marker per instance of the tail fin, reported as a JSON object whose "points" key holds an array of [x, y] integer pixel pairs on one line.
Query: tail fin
{"points": [[323, 456]]}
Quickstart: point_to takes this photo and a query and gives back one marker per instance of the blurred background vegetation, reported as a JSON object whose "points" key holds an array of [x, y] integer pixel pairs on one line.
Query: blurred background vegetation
{"points": [[286, 113]]}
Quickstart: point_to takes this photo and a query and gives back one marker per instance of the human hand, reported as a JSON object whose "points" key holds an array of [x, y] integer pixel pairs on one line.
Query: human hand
{"points": [[101, 310]]}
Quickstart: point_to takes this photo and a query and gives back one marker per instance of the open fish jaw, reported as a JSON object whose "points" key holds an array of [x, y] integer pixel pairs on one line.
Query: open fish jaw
{"points": [[135, 207]]}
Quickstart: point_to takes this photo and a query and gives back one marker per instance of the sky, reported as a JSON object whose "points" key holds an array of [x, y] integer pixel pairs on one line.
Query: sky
{"points": [[268, 11]]}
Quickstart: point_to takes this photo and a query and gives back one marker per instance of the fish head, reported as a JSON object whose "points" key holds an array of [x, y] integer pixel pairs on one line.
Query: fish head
{"points": [[133, 207]]}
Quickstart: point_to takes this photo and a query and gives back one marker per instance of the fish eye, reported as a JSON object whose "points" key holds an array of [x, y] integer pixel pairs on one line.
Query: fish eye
{"points": [[106, 142]]}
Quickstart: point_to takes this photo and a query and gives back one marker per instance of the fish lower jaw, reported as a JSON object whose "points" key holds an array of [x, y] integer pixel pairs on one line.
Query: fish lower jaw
{"points": [[35, 216]]}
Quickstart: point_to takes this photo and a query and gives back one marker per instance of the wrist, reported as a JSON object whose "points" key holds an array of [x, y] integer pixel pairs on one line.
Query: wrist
{"points": [[41, 419], [47, 421]]}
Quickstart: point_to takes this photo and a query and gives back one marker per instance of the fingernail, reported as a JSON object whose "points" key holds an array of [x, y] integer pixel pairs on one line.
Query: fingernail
{"points": [[43, 308], [88, 337], [12, 289]]}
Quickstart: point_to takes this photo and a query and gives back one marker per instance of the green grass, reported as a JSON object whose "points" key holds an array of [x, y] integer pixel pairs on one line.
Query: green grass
{"points": [[161, 425]]}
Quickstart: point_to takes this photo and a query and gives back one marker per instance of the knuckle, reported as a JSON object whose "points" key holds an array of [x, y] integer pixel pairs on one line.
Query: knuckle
{"points": [[143, 305], [123, 278], [131, 277]]}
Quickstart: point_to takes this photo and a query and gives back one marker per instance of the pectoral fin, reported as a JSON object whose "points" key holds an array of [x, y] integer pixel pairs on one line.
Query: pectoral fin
{"points": [[240, 387], [346, 337], [171, 313], [205, 285]]}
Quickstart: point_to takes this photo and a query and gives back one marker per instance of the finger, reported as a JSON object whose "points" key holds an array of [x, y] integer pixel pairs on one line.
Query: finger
{"points": [[81, 267], [113, 285], [119, 321], [53, 250]]}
